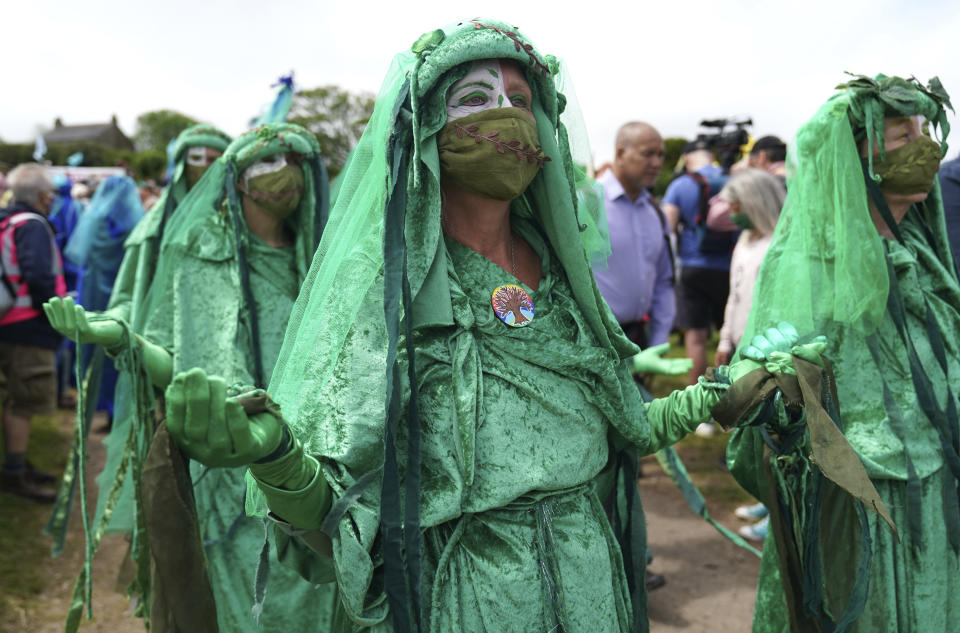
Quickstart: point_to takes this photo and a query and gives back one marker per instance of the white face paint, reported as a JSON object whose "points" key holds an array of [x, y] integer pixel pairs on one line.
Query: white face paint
{"points": [[197, 156], [266, 165], [481, 89]]}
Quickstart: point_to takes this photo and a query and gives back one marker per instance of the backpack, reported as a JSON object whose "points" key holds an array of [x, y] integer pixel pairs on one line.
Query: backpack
{"points": [[710, 242]]}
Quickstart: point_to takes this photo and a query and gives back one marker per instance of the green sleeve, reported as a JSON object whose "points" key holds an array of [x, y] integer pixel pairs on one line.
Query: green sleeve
{"points": [[674, 416]]}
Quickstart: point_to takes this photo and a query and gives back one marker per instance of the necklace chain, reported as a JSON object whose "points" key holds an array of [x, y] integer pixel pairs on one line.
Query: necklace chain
{"points": [[513, 257]]}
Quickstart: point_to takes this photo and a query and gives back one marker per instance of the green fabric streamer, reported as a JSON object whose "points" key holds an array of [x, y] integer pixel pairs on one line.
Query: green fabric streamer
{"points": [[673, 466]]}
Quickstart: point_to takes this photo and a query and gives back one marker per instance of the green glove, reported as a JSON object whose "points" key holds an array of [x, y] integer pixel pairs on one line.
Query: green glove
{"points": [[778, 339], [774, 350], [246, 430], [674, 416], [214, 429], [651, 361], [68, 318]]}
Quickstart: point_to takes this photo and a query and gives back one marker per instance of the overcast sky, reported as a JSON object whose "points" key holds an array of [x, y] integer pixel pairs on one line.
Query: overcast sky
{"points": [[671, 63]]}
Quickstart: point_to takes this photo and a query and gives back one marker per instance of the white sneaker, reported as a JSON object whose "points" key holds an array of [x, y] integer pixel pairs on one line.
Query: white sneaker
{"points": [[755, 531], [706, 429], [751, 513]]}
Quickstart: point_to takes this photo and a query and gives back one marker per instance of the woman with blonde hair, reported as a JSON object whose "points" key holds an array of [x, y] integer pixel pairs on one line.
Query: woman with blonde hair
{"points": [[755, 198]]}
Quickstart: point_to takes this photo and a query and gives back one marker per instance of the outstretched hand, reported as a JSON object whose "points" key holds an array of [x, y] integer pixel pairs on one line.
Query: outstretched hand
{"points": [[651, 361], [214, 429], [71, 320]]}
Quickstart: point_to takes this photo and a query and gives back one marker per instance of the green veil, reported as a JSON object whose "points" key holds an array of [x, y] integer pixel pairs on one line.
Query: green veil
{"points": [[826, 248], [381, 271], [828, 271]]}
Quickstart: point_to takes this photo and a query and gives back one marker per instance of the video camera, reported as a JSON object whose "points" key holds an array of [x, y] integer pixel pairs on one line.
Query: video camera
{"points": [[731, 134]]}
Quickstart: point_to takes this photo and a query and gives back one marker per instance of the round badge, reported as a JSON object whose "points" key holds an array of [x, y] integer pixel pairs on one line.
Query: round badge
{"points": [[512, 305]]}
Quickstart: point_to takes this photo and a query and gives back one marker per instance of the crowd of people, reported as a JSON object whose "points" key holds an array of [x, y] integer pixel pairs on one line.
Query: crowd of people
{"points": [[428, 388]]}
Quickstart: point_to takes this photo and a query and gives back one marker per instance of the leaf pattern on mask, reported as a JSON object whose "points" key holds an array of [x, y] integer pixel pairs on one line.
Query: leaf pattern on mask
{"points": [[526, 153]]}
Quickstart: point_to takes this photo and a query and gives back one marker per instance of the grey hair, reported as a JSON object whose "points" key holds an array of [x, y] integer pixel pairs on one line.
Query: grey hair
{"points": [[760, 195], [28, 181]]}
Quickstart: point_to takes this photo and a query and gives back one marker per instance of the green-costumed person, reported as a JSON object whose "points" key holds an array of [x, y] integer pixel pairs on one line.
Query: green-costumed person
{"points": [[451, 383], [197, 147], [195, 150], [861, 255], [232, 260]]}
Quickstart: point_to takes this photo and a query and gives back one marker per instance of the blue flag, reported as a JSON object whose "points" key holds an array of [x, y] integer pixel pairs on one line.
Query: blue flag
{"points": [[277, 111]]}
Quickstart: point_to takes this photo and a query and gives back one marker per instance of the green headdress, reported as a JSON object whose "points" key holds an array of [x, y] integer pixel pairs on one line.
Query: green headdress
{"points": [[380, 272], [211, 224], [826, 262]]}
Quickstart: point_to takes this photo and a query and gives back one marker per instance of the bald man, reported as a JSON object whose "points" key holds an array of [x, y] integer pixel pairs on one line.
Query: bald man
{"points": [[637, 282]]}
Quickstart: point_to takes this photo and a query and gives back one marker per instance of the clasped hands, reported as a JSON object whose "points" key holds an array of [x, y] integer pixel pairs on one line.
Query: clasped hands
{"points": [[774, 350]]}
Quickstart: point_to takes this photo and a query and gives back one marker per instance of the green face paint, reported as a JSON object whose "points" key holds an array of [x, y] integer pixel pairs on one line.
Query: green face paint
{"points": [[277, 192], [742, 220], [911, 168], [494, 153]]}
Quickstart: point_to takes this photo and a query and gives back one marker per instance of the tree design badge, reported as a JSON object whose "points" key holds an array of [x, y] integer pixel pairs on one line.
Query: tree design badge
{"points": [[512, 305]]}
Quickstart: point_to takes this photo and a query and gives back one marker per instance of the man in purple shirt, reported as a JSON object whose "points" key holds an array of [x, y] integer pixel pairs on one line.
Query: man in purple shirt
{"points": [[637, 282]]}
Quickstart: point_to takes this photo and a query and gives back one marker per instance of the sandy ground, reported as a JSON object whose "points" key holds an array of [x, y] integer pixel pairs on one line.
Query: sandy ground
{"points": [[710, 581]]}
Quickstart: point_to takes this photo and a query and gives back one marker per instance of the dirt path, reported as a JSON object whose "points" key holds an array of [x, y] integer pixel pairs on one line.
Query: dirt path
{"points": [[710, 581]]}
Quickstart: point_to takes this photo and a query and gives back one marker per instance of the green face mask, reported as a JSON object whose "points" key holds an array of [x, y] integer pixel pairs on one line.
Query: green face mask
{"points": [[910, 169], [278, 192], [195, 173], [494, 153], [742, 220]]}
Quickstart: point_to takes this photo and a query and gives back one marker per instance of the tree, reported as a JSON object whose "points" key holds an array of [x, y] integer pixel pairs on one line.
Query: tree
{"points": [[150, 164], [336, 117], [673, 146], [157, 128]]}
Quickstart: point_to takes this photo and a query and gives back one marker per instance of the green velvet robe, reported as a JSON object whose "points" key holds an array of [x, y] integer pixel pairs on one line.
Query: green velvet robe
{"points": [[515, 428], [127, 304], [913, 586], [202, 326]]}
